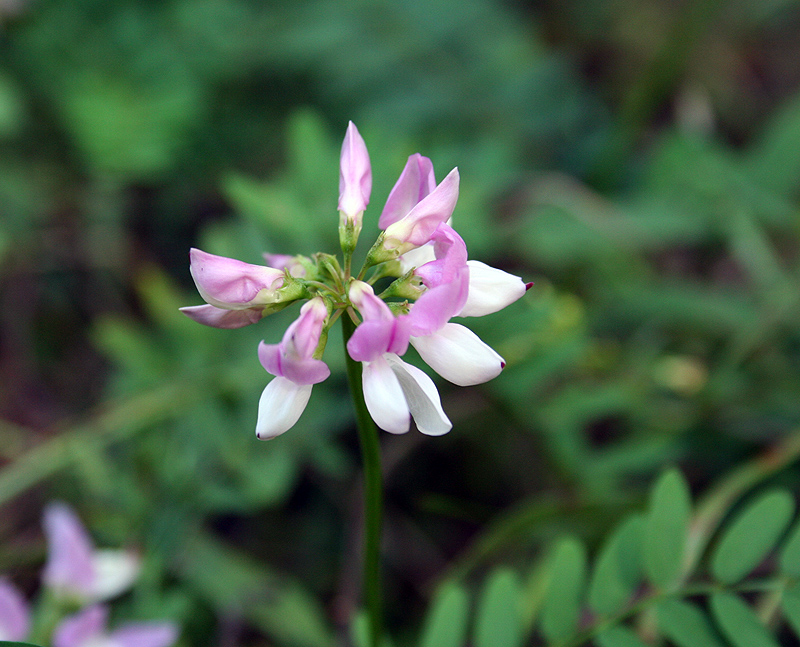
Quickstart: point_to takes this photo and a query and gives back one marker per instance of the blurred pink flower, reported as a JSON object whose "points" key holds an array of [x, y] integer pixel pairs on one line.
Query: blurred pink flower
{"points": [[74, 568]]}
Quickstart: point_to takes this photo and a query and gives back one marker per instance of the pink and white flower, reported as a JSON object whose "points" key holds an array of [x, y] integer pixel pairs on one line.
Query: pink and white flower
{"points": [[74, 568], [88, 629], [394, 391], [295, 369]]}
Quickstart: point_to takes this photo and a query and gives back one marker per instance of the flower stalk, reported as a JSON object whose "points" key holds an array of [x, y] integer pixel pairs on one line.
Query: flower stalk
{"points": [[373, 493]]}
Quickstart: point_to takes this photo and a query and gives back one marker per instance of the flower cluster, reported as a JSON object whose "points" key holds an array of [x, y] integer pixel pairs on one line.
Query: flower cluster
{"points": [[432, 281], [78, 577]]}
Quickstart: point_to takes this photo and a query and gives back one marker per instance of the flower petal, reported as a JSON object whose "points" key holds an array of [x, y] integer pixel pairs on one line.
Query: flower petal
{"points": [[145, 634], [384, 397], [280, 406], [458, 355], [355, 174], [231, 284], [115, 572], [15, 618], [82, 628], [490, 290], [70, 568], [219, 318], [416, 227], [437, 305], [415, 182], [421, 396]]}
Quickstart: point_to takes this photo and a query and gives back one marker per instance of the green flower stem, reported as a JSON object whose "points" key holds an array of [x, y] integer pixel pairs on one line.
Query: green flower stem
{"points": [[373, 493]]}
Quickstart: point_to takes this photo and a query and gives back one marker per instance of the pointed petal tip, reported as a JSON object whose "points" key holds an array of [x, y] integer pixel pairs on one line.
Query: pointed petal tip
{"points": [[528, 286]]}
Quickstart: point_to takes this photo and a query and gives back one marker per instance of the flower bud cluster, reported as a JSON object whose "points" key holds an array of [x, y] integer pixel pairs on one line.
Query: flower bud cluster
{"points": [[433, 282]]}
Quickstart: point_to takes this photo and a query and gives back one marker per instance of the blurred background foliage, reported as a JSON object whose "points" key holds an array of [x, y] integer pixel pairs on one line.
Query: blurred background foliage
{"points": [[638, 160]]}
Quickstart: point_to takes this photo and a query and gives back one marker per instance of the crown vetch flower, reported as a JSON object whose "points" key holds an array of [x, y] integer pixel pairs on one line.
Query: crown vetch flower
{"points": [[88, 629], [292, 362], [393, 390], [434, 282], [238, 294], [74, 568]]}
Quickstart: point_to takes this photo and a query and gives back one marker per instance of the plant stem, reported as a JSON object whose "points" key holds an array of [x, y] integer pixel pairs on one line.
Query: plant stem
{"points": [[373, 493]]}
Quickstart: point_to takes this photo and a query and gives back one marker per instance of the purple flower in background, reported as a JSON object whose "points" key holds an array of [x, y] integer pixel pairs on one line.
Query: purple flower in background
{"points": [[15, 618], [88, 629], [75, 568]]}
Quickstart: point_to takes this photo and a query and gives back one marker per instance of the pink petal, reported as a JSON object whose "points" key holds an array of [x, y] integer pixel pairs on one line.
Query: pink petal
{"points": [[69, 566], [450, 253], [415, 182], [374, 337], [145, 634], [416, 227], [82, 628], [355, 174], [209, 315], [15, 618], [231, 284], [297, 369], [437, 305]]}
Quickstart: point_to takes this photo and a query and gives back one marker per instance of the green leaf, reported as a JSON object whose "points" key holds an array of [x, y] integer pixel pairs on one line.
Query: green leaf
{"points": [[666, 529], [739, 624], [790, 603], [446, 621], [751, 535], [498, 621], [5, 643], [562, 605], [359, 632], [790, 555], [686, 625], [618, 569], [619, 636]]}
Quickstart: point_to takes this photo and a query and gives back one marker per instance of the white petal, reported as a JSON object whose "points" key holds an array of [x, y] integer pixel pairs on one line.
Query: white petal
{"points": [[458, 355], [114, 572], [280, 406], [490, 290], [384, 397], [422, 397]]}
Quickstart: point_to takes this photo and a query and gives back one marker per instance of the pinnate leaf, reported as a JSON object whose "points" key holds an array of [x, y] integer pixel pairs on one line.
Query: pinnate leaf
{"points": [[686, 625], [751, 535], [666, 529], [498, 619], [562, 605], [790, 555], [739, 624], [618, 569], [619, 636], [446, 622]]}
